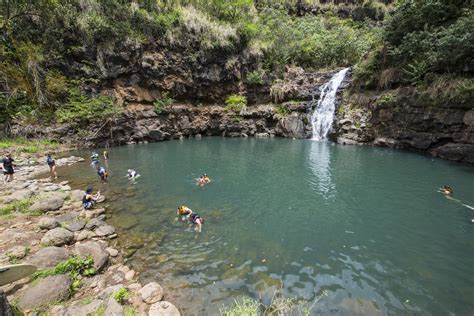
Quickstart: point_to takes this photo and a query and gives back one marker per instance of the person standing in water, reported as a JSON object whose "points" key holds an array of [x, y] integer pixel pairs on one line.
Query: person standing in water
{"points": [[52, 166], [95, 158], [7, 166], [102, 174], [106, 155], [197, 220]]}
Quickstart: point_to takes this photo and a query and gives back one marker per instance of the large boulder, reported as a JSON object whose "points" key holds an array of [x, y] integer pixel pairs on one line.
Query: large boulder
{"points": [[48, 257], [76, 225], [49, 202], [49, 290], [57, 237], [77, 195], [48, 223], [151, 293], [80, 310], [96, 251], [163, 309]]}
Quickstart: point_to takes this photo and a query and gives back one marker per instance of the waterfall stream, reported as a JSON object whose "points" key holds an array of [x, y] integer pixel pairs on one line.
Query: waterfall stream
{"points": [[323, 115]]}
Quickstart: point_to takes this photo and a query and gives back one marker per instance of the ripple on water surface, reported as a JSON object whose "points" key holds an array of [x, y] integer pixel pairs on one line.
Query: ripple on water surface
{"points": [[349, 229]]}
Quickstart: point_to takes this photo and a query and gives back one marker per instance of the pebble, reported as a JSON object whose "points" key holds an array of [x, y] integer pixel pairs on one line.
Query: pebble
{"points": [[112, 252]]}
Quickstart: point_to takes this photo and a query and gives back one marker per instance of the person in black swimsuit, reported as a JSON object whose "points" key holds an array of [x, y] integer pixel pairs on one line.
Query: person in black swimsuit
{"points": [[7, 166], [52, 166]]}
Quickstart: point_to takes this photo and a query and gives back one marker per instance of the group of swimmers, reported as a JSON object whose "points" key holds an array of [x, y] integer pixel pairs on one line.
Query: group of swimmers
{"points": [[186, 213]]}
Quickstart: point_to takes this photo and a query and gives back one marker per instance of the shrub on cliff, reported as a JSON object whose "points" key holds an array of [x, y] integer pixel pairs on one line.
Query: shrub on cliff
{"points": [[235, 103]]}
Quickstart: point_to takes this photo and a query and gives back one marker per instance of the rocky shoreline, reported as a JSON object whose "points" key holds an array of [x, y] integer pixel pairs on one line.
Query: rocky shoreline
{"points": [[51, 228]]}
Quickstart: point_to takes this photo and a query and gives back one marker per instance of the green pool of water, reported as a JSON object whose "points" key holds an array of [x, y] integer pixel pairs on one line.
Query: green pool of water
{"points": [[345, 228]]}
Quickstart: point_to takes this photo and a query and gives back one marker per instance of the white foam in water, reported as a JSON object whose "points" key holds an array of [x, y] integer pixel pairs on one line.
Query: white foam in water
{"points": [[323, 114]]}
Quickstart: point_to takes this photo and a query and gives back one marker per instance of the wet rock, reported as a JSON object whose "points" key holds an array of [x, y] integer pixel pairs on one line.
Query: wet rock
{"points": [[96, 251], [49, 290], [262, 135], [113, 308], [57, 237], [151, 293], [50, 202], [48, 223], [48, 257], [105, 230], [163, 309], [76, 226]]}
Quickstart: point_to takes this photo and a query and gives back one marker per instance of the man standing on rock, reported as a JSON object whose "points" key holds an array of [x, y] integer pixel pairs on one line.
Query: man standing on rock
{"points": [[7, 166]]}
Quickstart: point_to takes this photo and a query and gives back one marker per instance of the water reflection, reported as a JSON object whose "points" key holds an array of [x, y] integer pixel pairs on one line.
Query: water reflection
{"points": [[320, 164]]}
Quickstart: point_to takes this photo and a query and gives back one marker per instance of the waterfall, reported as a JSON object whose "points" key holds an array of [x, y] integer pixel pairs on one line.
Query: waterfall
{"points": [[323, 114]]}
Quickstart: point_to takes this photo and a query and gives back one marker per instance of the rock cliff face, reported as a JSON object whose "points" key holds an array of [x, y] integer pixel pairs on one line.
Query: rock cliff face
{"points": [[445, 130]]}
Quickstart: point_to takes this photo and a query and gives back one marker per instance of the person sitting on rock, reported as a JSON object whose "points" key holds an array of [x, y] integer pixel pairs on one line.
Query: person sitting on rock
{"points": [[52, 166], [88, 200], [102, 174], [184, 212], [197, 220]]}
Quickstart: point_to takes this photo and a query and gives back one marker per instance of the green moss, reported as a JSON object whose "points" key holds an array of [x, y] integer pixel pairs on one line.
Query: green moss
{"points": [[160, 105]]}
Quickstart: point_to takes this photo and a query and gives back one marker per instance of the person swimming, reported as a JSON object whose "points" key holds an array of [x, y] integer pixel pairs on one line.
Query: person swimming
{"points": [[102, 173], [184, 212], [203, 180], [446, 190], [94, 158], [132, 174], [88, 200], [197, 220]]}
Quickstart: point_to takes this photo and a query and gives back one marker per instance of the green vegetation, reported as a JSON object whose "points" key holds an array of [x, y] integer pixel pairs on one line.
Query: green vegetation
{"points": [[246, 306], [75, 267], [20, 206], [161, 104], [281, 109], [101, 310], [255, 77], [129, 311], [121, 296], [279, 306], [235, 103], [19, 145]]}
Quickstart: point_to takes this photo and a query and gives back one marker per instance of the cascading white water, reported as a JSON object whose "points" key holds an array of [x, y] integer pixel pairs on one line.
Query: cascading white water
{"points": [[323, 114]]}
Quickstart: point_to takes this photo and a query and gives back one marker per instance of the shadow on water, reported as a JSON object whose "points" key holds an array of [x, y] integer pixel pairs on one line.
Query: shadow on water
{"points": [[357, 230]]}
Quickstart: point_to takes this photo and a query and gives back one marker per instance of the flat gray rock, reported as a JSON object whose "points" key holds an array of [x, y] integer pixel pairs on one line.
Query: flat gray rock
{"points": [[48, 257], [82, 310], [49, 290], [57, 237], [96, 251]]}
